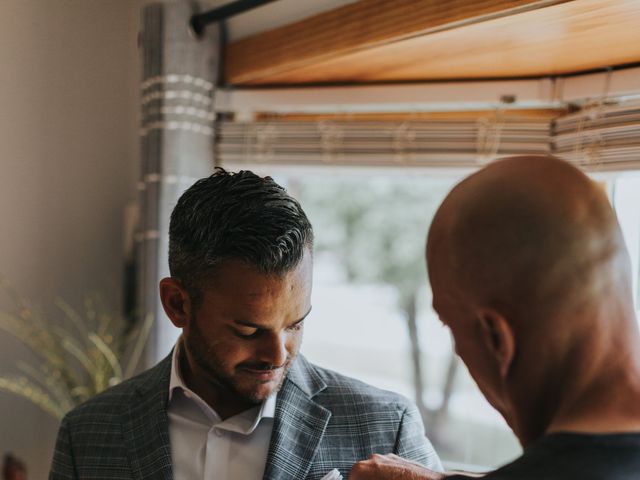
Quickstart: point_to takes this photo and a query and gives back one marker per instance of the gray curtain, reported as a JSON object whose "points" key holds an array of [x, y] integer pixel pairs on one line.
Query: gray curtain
{"points": [[179, 75]]}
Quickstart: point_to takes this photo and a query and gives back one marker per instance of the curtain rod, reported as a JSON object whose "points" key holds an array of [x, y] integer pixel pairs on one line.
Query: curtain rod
{"points": [[199, 21]]}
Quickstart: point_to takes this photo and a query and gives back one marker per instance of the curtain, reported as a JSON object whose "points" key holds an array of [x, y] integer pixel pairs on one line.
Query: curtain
{"points": [[179, 75]]}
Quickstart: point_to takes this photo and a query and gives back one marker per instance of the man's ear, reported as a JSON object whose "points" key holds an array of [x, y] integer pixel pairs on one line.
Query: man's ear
{"points": [[499, 339], [175, 301]]}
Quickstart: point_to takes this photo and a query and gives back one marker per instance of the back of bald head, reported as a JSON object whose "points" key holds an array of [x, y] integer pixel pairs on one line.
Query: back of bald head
{"points": [[532, 235]]}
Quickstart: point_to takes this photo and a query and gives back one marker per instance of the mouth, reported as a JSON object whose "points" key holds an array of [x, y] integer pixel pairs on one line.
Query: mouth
{"points": [[263, 375]]}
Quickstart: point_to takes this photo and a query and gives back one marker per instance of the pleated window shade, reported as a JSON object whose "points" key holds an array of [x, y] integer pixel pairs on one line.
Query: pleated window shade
{"points": [[602, 137], [377, 143], [605, 137]]}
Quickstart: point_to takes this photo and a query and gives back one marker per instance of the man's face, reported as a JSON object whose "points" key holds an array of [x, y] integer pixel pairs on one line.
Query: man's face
{"points": [[457, 314], [248, 329]]}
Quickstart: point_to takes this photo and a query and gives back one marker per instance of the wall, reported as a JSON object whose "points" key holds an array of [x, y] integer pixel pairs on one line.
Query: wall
{"points": [[68, 165]]}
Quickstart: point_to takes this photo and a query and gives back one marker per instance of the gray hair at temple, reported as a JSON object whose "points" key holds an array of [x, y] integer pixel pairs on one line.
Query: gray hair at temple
{"points": [[235, 216]]}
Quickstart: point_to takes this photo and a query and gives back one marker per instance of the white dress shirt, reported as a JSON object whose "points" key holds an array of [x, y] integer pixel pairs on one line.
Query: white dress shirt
{"points": [[205, 447]]}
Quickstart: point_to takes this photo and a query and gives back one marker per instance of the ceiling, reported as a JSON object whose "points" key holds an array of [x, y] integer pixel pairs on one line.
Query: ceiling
{"points": [[293, 42], [271, 15]]}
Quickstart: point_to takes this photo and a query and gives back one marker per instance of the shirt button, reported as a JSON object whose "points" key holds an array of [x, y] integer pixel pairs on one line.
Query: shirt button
{"points": [[188, 394]]}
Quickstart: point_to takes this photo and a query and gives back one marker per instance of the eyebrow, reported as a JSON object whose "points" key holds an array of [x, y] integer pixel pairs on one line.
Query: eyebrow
{"points": [[261, 327]]}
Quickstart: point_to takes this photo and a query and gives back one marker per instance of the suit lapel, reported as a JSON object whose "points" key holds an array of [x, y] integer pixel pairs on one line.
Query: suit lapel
{"points": [[146, 426], [299, 425]]}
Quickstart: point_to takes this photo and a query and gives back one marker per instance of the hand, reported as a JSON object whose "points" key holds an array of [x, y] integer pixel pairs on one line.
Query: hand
{"points": [[392, 467]]}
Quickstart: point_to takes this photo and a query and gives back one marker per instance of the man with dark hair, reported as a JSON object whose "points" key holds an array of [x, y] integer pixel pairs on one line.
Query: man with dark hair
{"points": [[530, 272], [234, 400]]}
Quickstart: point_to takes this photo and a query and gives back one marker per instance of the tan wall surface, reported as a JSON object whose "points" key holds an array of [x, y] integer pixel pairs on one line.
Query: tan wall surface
{"points": [[68, 164]]}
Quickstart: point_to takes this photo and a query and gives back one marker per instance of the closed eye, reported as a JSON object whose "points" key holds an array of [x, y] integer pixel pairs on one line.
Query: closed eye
{"points": [[296, 326], [248, 333], [248, 330]]}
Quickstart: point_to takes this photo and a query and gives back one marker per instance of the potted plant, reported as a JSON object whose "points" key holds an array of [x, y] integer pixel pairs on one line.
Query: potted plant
{"points": [[76, 355]]}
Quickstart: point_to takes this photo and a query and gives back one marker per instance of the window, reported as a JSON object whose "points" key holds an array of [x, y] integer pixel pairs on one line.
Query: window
{"points": [[372, 317], [370, 278], [372, 312], [625, 197]]}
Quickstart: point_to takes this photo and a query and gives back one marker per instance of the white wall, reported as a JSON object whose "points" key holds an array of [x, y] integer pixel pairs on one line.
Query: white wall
{"points": [[68, 165]]}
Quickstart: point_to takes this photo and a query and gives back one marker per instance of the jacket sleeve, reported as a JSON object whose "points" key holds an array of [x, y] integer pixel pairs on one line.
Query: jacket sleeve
{"points": [[62, 466], [412, 442]]}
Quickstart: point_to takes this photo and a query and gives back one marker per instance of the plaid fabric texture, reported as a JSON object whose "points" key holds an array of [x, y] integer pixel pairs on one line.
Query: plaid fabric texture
{"points": [[323, 421]]}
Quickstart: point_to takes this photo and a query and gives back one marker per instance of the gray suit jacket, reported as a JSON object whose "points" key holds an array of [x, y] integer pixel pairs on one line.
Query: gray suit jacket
{"points": [[323, 420]]}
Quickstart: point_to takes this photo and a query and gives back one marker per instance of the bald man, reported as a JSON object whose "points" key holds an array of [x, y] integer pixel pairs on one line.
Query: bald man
{"points": [[529, 271]]}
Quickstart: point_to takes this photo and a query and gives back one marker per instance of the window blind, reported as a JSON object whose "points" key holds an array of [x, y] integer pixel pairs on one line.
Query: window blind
{"points": [[600, 137], [428, 143]]}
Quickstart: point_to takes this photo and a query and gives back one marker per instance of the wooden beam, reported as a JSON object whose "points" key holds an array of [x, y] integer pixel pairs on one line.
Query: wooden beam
{"points": [[407, 40], [356, 27]]}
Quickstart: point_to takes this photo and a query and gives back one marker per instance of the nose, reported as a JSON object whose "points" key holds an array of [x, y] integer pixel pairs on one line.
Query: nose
{"points": [[273, 349]]}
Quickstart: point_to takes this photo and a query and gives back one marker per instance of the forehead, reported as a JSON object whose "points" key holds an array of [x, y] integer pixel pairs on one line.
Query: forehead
{"points": [[238, 279]]}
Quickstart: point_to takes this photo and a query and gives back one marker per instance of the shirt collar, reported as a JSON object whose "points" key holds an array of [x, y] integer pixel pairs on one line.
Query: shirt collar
{"points": [[244, 422]]}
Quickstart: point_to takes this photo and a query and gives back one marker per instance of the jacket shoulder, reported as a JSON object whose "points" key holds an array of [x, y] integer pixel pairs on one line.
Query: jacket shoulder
{"points": [[113, 400]]}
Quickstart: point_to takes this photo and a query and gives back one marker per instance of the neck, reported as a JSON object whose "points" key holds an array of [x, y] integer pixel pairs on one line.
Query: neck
{"points": [[609, 403], [591, 384], [605, 394]]}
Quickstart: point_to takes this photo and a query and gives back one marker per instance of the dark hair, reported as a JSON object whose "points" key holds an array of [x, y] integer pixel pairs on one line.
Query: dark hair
{"points": [[235, 216]]}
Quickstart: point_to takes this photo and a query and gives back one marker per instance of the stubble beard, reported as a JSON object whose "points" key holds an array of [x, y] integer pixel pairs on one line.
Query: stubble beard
{"points": [[212, 364]]}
